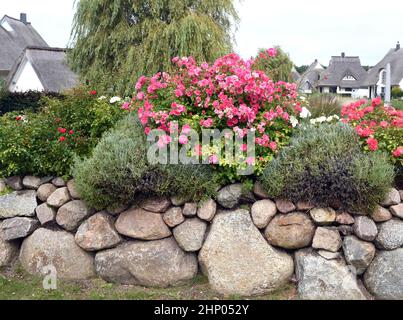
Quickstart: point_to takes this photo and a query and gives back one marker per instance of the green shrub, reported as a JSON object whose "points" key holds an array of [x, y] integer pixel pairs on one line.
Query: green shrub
{"points": [[18, 101], [116, 167], [45, 142], [324, 165], [324, 104], [397, 93]]}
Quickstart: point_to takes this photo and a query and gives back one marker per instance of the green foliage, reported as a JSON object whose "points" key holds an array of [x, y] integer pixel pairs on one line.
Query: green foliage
{"points": [[30, 142], [325, 164], [278, 68], [301, 69], [398, 104], [18, 101], [116, 41], [112, 174], [397, 93], [324, 104]]}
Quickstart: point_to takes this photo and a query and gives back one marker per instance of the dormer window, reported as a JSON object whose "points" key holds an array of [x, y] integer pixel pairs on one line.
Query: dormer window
{"points": [[7, 26], [349, 77]]}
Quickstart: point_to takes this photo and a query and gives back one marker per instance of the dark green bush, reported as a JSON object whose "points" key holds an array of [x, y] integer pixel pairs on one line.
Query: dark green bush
{"points": [[30, 142], [397, 93], [118, 169], [18, 101], [324, 165]]}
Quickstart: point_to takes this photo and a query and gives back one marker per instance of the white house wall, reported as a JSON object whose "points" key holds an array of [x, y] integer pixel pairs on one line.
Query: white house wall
{"points": [[401, 84], [25, 79]]}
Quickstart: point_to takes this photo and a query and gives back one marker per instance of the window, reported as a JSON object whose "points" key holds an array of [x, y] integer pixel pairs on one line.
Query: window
{"points": [[349, 78], [382, 76]]}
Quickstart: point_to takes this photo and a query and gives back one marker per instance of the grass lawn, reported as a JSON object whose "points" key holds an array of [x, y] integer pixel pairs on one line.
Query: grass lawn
{"points": [[15, 284]]}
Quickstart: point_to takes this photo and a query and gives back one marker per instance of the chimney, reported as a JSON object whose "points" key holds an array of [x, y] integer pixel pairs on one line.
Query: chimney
{"points": [[398, 46], [23, 18], [343, 55]]}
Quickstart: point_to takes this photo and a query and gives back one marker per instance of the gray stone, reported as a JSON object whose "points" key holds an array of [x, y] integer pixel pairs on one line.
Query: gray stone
{"points": [[142, 224], [97, 233], [46, 180], [365, 228], [44, 191], [2, 185], [18, 204], [304, 206], [323, 216], [190, 209], [381, 214], [346, 230], [291, 231], [57, 249], [31, 182], [59, 182], [263, 212], [45, 214], [237, 259], [156, 204], [392, 198], [190, 234], [327, 239], [390, 236], [14, 183], [173, 217], [259, 191], [401, 194], [329, 255], [358, 253], [344, 219], [207, 210], [115, 211], [71, 186], [17, 228], [179, 201], [322, 279], [8, 250], [229, 196], [285, 206], [397, 210], [72, 214], [160, 263], [384, 277], [58, 198]]}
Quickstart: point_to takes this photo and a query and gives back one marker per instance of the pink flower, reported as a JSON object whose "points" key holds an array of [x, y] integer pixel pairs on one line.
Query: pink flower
{"points": [[126, 106], [384, 124], [147, 130], [244, 147], [186, 129], [372, 144], [213, 159], [207, 123], [164, 140], [140, 95], [250, 161], [398, 152], [273, 146], [183, 139], [272, 52]]}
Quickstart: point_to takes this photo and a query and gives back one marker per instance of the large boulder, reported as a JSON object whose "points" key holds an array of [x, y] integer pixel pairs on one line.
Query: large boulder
{"points": [[31, 182], [365, 228], [327, 239], [190, 234], [207, 210], [8, 250], [59, 197], [237, 259], [384, 277], [392, 198], [229, 196], [380, 214], [259, 191], [17, 228], [263, 212], [70, 215], [190, 209], [15, 183], [58, 249], [291, 231], [18, 204], [71, 186], [158, 263], [45, 213], [358, 253], [323, 216], [390, 236], [44, 191], [143, 225], [155, 204], [97, 233], [173, 217], [285, 206], [322, 279], [397, 210], [59, 182]]}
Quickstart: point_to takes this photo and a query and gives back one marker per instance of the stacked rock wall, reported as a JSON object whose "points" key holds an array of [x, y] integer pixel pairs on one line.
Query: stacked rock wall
{"points": [[245, 243]]}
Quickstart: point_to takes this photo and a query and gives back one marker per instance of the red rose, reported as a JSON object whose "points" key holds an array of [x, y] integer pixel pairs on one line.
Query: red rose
{"points": [[93, 92], [61, 130], [71, 132], [62, 139], [19, 118]]}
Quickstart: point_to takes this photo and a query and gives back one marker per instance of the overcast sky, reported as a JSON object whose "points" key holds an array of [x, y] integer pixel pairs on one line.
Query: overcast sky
{"points": [[306, 29]]}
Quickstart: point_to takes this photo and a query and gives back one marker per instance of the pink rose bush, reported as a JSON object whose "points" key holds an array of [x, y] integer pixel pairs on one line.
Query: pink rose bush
{"points": [[229, 94], [378, 125]]}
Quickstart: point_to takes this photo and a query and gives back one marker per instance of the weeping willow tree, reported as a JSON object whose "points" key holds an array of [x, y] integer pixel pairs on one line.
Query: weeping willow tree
{"points": [[277, 68], [116, 41]]}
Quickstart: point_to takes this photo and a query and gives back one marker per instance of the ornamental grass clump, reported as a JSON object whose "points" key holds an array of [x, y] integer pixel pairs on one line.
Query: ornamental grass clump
{"points": [[325, 165]]}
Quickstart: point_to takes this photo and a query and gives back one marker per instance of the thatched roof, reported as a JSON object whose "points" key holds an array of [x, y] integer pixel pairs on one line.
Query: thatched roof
{"points": [[13, 42], [395, 58], [310, 77], [51, 67], [341, 67]]}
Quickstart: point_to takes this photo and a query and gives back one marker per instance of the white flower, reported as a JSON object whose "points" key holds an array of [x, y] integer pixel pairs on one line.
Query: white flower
{"points": [[294, 121], [115, 99], [305, 113], [302, 98], [102, 98]]}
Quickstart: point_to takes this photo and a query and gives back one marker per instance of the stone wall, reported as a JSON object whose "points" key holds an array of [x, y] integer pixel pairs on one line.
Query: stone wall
{"points": [[246, 244]]}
